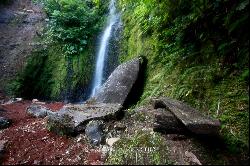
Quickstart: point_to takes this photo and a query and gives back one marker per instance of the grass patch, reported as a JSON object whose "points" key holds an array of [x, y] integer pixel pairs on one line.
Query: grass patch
{"points": [[140, 149]]}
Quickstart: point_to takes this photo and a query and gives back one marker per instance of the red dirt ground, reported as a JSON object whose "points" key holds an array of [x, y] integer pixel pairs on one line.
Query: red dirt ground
{"points": [[30, 143]]}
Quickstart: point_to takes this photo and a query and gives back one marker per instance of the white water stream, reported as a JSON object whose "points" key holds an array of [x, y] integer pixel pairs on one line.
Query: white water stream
{"points": [[102, 52]]}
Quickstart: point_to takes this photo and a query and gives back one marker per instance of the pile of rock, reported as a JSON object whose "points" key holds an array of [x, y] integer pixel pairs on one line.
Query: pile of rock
{"points": [[106, 105], [170, 116]]}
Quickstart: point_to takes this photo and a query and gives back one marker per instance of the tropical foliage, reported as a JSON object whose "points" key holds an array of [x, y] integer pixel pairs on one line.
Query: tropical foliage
{"points": [[62, 68], [73, 22], [197, 51]]}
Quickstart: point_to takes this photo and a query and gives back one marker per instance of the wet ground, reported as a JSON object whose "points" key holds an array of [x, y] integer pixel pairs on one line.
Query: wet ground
{"points": [[29, 142]]}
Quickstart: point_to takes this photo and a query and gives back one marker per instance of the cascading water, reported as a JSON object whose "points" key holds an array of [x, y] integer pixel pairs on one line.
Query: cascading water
{"points": [[102, 53]]}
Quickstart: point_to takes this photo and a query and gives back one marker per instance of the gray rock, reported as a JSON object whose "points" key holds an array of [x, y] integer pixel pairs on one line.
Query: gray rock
{"points": [[72, 119], [111, 141], [38, 111], [94, 132], [13, 100], [119, 84], [165, 121], [2, 149], [191, 118], [4, 122]]}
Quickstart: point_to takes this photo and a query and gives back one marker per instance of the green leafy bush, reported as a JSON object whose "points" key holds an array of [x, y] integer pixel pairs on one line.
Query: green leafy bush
{"points": [[73, 23]]}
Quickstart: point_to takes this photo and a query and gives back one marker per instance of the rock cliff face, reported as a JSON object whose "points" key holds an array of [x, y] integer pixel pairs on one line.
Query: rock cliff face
{"points": [[21, 21]]}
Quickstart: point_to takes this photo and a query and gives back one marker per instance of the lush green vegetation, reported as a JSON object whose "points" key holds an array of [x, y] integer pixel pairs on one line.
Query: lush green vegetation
{"points": [[140, 148], [73, 22], [197, 52], [63, 67]]}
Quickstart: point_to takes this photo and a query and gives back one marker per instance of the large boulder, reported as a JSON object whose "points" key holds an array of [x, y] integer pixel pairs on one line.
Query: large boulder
{"points": [[191, 118], [72, 119], [119, 84]]}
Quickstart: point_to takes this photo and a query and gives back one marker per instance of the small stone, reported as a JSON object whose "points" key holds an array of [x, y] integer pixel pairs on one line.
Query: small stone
{"points": [[38, 102], [192, 158], [36, 162], [4, 122], [2, 149], [111, 141], [119, 126], [18, 99], [80, 138], [34, 100], [13, 100], [94, 132], [105, 149], [2, 145], [57, 157]]}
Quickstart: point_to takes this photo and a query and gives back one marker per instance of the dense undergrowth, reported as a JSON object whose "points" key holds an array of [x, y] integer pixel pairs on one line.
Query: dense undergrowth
{"points": [[62, 68], [197, 52]]}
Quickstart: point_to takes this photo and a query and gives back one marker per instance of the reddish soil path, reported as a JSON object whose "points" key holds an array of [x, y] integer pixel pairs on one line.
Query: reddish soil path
{"points": [[29, 142]]}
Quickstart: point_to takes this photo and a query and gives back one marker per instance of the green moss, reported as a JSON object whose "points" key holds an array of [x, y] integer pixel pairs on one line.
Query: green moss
{"points": [[185, 63], [140, 148], [45, 75], [64, 69]]}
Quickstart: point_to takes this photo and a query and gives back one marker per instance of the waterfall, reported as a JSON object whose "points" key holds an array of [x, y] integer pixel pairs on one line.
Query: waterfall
{"points": [[113, 17]]}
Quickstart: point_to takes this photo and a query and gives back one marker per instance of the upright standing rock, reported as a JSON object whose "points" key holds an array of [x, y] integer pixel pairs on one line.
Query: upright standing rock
{"points": [[119, 83]]}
